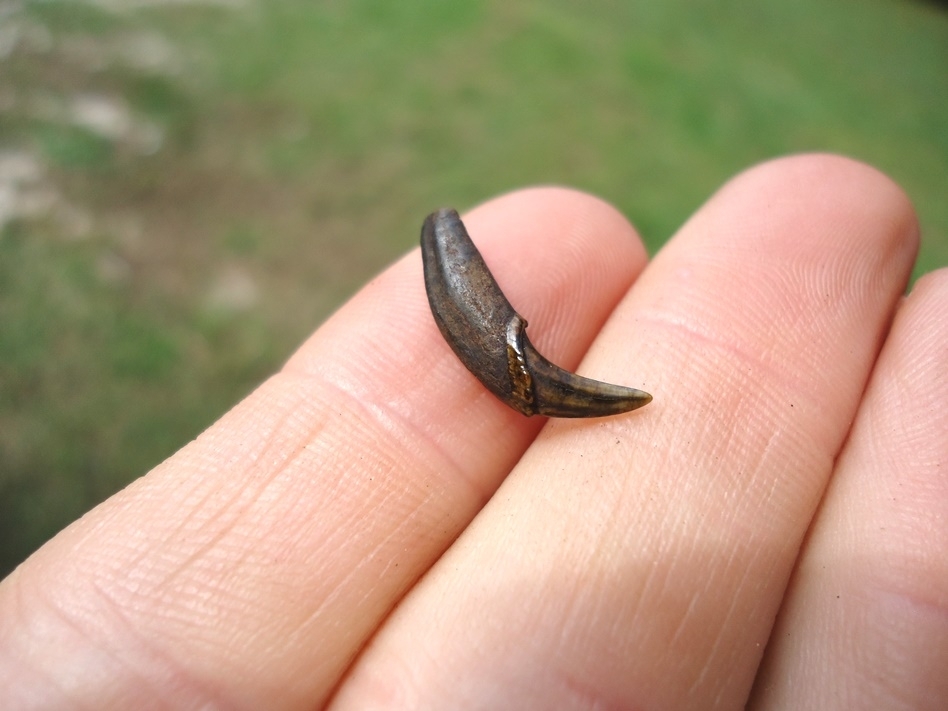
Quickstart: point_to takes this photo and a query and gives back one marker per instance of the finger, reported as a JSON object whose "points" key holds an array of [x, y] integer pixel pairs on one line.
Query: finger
{"points": [[247, 570], [639, 562], [866, 622]]}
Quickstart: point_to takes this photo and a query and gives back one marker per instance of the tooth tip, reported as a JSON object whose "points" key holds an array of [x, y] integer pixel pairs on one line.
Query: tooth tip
{"points": [[638, 399]]}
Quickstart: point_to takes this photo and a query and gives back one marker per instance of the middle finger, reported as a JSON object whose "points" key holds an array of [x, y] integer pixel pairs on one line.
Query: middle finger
{"points": [[639, 561]]}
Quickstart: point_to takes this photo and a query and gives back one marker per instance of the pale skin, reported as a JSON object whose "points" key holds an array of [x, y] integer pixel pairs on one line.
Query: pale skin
{"points": [[371, 529]]}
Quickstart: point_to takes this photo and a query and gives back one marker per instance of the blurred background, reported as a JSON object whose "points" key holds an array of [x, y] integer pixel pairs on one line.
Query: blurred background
{"points": [[188, 188]]}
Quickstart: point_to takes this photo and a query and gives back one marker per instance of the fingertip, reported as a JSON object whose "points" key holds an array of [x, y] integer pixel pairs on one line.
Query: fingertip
{"points": [[834, 188], [548, 208], [933, 287]]}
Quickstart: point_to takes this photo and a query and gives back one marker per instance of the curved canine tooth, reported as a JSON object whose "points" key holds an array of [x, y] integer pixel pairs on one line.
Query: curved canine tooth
{"points": [[490, 338]]}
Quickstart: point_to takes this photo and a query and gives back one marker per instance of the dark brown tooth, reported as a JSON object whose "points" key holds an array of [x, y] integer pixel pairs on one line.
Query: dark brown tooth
{"points": [[490, 338]]}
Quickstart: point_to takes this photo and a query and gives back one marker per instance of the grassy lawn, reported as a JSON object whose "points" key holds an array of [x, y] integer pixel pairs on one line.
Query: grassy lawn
{"points": [[188, 189]]}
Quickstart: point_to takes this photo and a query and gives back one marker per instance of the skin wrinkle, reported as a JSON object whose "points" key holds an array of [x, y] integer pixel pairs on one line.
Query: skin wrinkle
{"points": [[862, 548], [140, 546], [45, 605], [888, 687], [271, 446], [357, 376], [665, 526], [66, 689], [152, 653], [898, 573], [440, 365], [225, 515], [912, 480], [720, 640], [554, 615], [688, 325], [71, 620], [808, 396], [573, 595], [339, 542], [339, 590], [393, 421], [629, 597], [694, 382], [581, 694], [373, 554], [267, 443]]}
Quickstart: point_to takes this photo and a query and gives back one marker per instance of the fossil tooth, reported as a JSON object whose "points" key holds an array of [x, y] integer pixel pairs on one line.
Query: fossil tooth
{"points": [[490, 338]]}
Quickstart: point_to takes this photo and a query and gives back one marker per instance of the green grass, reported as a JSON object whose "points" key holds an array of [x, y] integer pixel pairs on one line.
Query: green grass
{"points": [[302, 143]]}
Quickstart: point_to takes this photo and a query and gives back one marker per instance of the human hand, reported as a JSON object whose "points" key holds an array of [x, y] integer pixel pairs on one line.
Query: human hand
{"points": [[773, 527]]}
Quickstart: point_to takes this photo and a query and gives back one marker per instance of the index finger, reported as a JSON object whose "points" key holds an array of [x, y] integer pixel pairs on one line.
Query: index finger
{"points": [[250, 568]]}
